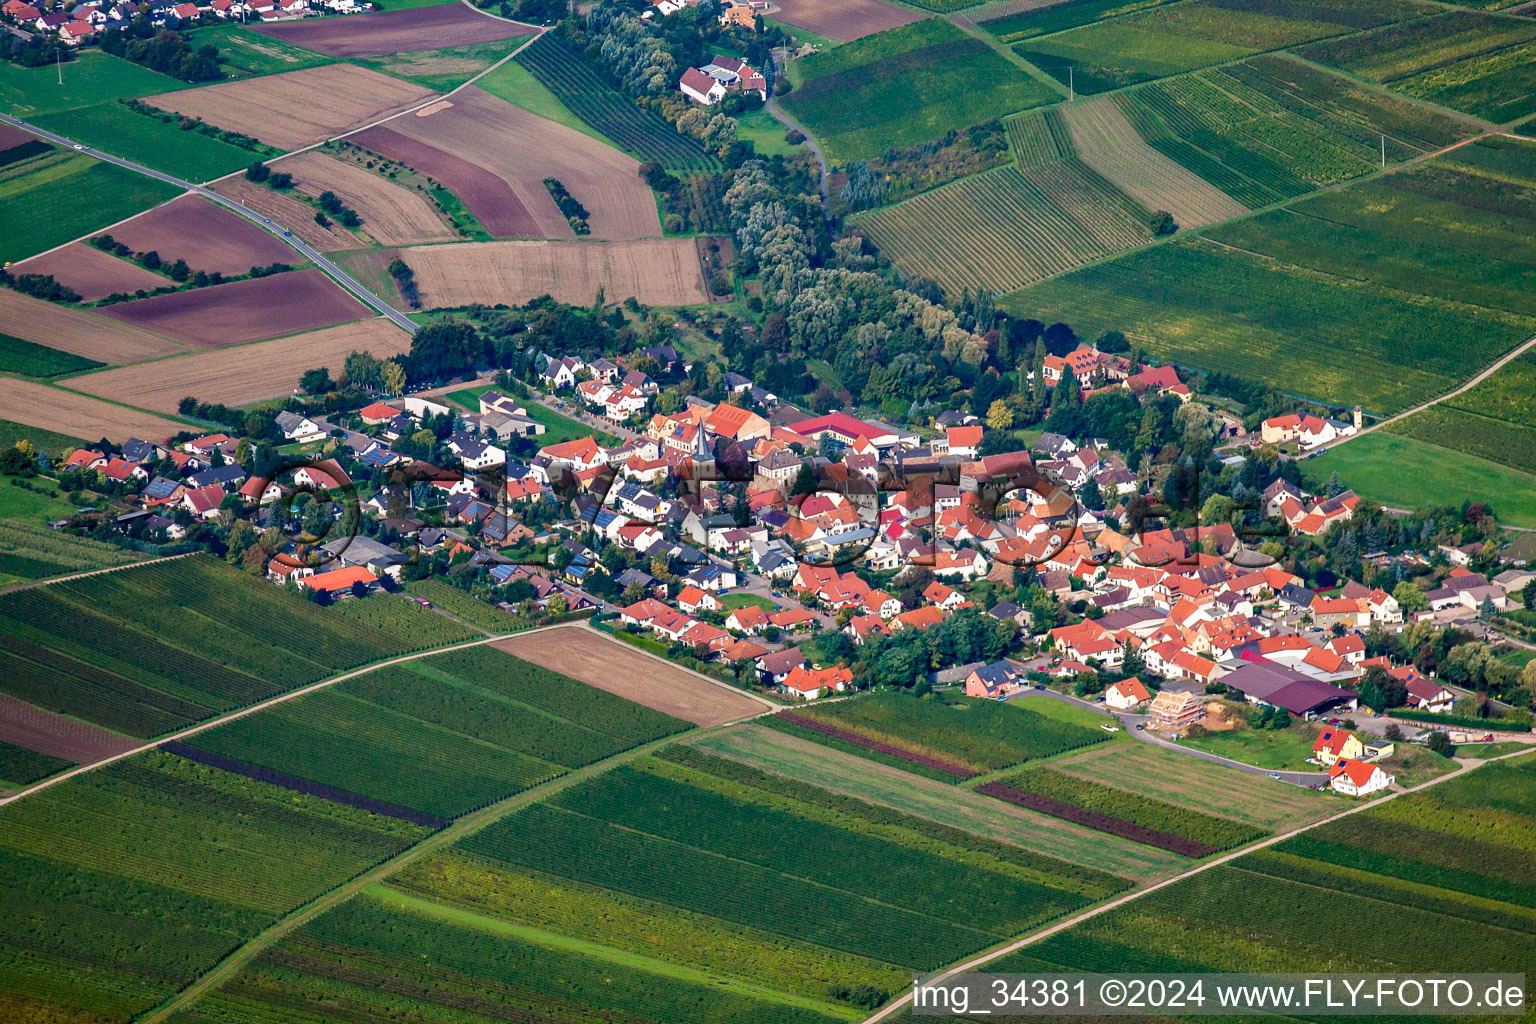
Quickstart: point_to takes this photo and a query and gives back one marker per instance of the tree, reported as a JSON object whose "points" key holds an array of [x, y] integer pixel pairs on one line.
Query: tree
{"points": [[1528, 595], [1410, 597], [363, 369], [1485, 610], [443, 349], [1441, 744], [317, 381], [393, 377], [999, 415]]}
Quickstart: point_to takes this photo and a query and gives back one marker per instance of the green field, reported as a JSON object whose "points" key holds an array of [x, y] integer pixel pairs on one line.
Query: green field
{"points": [[245, 53], [442, 735], [1453, 861], [20, 767], [32, 551], [1009, 227], [1403, 472], [113, 128], [957, 807], [681, 887], [152, 649], [124, 884], [1125, 806], [49, 441], [33, 360], [558, 428], [478, 613], [578, 86], [957, 737], [417, 628], [1014, 28], [1263, 748], [1475, 63], [56, 198], [1384, 294], [1198, 785], [766, 133], [905, 86], [1270, 129], [1168, 40], [92, 77]]}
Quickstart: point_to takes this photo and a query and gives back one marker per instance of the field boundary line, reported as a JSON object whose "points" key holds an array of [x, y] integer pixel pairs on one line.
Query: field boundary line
{"points": [[1045, 933], [467, 825], [211, 723]]}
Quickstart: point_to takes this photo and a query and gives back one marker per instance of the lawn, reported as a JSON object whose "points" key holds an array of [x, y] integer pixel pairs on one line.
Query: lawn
{"points": [[731, 602], [1263, 748], [1403, 472], [246, 53], [766, 133], [904, 87], [469, 398], [92, 77], [58, 198], [560, 428], [115, 129]]}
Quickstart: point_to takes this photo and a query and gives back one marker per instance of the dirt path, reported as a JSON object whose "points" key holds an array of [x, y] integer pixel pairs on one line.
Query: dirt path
{"points": [[94, 572], [1045, 933], [789, 122]]}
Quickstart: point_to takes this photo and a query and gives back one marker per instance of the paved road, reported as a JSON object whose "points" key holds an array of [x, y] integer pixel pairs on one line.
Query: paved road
{"points": [[789, 122], [340, 276]]}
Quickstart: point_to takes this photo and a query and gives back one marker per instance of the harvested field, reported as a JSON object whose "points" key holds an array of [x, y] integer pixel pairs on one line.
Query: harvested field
{"points": [[296, 108], [91, 272], [72, 330], [403, 31], [843, 19], [523, 149], [1106, 141], [249, 373], [207, 237], [292, 214], [485, 195], [596, 660], [38, 405], [392, 214], [657, 272], [57, 735], [228, 314]]}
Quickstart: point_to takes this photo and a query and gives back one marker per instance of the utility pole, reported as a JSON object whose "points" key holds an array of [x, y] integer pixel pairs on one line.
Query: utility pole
{"points": [[1383, 150], [1071, 84], [58, 60]]}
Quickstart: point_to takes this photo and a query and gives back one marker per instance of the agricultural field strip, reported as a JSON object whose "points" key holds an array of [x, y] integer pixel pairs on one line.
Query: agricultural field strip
{"points": [[93, 572], [460, 829], [1489, 371], [770, 707], [977, 962]]}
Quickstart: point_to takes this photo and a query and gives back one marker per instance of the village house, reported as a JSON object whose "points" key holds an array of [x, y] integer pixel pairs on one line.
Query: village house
{"points": [[1332, 744], [1126, 694], [1357, 778]]}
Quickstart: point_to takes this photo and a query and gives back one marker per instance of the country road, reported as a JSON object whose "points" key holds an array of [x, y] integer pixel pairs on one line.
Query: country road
{"points": [[983, 959], [1468, 386], [789, 122], [311, 254]]}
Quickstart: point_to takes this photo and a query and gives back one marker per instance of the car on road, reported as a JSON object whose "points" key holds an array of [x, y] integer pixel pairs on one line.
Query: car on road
{"points": [[1275, 776], [1140, 726], [1110, 728], [1039, 686], [1099, 699], [80, 147], [1334, 721]]}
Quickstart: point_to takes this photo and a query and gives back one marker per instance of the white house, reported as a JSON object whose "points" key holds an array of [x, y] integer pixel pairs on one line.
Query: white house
{"points": [[700, 88], [1126, 694], [1356, 778]]}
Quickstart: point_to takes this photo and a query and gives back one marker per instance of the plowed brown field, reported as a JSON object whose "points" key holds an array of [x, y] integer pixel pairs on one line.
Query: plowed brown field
{"points": [[36, 405], [59, 735], [523, 149], [91, 272], [207, 237], [419, 28], [228, 314], [245, 374], [296, 108], [485, 195], [612, 665], [657, 272], [392, 214], [844, 19], [73, 330]]}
